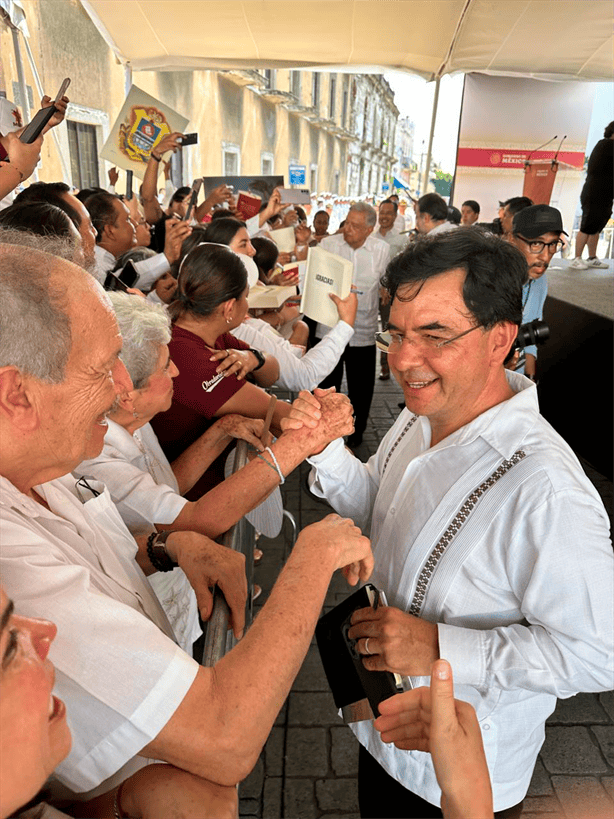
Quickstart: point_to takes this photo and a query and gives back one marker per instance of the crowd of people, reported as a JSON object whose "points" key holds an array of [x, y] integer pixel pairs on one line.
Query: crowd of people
{"points": [[131, 363]]}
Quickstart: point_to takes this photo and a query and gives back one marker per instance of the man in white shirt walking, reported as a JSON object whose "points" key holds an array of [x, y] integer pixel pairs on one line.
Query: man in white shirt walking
{"points": [[432, 215], [490, 542], [370, 258]]}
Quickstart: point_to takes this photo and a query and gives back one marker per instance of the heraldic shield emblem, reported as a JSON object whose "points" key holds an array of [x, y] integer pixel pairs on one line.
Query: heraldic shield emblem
{"points": [[141, 131]]}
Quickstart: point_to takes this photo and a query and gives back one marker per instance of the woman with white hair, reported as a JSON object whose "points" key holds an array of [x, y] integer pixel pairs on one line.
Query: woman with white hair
{"points": [[147, 489]]}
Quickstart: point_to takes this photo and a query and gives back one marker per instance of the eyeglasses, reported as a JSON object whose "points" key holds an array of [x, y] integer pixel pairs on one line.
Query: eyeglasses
{"points": [[390, 341], [537, 247]]}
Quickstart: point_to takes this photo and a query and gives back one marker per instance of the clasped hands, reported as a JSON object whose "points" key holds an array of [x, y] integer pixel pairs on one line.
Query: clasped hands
{"points": [[320, 417]]}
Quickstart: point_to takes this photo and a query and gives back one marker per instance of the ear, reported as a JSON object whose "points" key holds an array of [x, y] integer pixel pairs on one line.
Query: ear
{"points": [[227, 308], [502, 337], [125, 400], [18, 405], [371, 229]]}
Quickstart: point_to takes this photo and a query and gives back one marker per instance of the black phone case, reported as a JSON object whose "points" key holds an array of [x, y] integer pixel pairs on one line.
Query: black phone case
{"points": [[33, 129], [349, 680]]}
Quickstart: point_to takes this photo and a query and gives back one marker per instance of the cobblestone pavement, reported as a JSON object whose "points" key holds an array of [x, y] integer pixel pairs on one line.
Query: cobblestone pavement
{"points": [[309, 764]]}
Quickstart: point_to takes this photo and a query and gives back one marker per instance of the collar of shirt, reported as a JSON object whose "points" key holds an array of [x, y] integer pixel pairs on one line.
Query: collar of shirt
{"points": [[121, 439], [503, 426]]}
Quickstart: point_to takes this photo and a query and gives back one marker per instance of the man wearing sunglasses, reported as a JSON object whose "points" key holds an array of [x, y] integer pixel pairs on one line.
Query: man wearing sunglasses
{"points": [[536, 232], [490, 542]]}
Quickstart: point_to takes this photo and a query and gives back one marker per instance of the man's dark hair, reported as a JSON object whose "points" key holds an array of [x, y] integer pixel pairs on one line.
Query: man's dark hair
{"points": [[84, 194], [223, 231], [434, 205], [209, 276], [266, 254], [471, 203], [390, 201], [518, 203], [454, 215], [496, 272], [40, 218], [609, 130], [52, 193], [101, 207], [179, 195], [320, 212]]}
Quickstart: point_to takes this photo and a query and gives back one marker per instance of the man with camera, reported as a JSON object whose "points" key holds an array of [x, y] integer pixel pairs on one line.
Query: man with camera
{"points": [[490, 542], [536, 232]]}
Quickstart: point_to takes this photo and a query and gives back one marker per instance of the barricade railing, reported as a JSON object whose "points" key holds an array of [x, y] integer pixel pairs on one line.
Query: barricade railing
{"points": [[241, 537]]}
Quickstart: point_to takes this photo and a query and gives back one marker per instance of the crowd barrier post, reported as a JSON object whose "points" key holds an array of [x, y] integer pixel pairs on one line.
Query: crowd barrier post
{"points": [[241, 537]]}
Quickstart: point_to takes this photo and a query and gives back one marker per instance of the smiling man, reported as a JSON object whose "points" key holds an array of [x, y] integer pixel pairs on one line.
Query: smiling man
{"points": [[536, 232], [489, 541]]}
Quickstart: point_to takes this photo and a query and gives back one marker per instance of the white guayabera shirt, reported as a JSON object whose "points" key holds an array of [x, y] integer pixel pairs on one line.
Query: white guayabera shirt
{"points": [[497, 535], [118, 667]]}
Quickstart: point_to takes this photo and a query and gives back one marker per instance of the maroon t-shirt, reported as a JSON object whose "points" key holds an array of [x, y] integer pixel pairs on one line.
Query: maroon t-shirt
{"points": [[199, 394]]}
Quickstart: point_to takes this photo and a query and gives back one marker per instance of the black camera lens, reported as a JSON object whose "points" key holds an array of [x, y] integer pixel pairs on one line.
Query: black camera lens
{"points": [[533, 333]]}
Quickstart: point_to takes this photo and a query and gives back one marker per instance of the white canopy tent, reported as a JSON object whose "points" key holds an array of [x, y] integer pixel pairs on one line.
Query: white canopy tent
{"points": [[547, 39], [544, 39]]}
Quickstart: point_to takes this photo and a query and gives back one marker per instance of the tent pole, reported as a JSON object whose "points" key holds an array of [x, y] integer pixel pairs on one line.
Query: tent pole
{"points": [[425, 178]]}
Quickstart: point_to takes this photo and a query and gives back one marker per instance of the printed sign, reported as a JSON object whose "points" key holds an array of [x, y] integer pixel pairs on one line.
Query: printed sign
{"points": [[297, 174], [141, 124]]}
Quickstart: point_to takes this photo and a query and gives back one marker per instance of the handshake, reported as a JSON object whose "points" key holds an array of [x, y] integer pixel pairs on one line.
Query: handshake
{"points": [[317, 418]]}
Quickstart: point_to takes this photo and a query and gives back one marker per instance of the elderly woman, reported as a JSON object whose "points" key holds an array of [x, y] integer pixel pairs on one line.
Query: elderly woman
{"points": [[146, 489], [35, 737]]}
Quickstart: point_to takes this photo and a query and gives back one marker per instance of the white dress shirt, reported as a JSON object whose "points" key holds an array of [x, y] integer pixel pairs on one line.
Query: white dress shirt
{"points": [[144, 489], [370, 261], [521, 588], [306, 372], [149, 270], [118, 668], [444, 227], [393, 238]]}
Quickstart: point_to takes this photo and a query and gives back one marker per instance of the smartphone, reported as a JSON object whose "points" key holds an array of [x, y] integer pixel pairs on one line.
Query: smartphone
{"points": [[113, 282], [189, 139], [33, 129], [295, 196], [196, 186], [129, 274], [129, 176]]}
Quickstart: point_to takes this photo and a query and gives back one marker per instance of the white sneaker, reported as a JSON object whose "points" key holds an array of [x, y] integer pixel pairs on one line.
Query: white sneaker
{"points": [[578, 264], [596, 263]]}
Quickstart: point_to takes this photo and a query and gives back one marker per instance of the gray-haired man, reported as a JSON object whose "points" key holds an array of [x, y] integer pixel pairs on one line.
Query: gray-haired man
{"points": [[370, 257]]}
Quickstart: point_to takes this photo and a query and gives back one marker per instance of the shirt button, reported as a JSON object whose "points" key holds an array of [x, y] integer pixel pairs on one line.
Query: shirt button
{"points": [[486, 726], [392, 511]]}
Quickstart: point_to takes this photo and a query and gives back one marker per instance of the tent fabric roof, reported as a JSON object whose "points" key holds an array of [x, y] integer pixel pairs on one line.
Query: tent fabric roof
{"points": [[548, 39]]}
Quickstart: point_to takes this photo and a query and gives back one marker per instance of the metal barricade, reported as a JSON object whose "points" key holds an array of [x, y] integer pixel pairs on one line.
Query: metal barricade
{"points": [[241, 537]]}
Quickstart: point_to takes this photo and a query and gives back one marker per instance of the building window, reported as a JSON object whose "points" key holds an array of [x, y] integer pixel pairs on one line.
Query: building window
{"points": [[266, 164], [313, 179], [83, 149], [315, 89], [231, 159], [269, 75], [295, 84], [332, 98], [344, 109]]}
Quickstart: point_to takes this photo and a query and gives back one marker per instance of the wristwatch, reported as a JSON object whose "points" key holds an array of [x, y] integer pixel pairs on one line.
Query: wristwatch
{"points": [[260, 356]]}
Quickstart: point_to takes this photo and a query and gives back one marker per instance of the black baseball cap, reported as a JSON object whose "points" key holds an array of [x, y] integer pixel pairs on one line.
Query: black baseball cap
{"points": [[536, 220]]}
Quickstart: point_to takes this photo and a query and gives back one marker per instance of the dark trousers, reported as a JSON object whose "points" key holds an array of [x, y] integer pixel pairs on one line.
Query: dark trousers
{"points": [[382, 797], [359, 363]]}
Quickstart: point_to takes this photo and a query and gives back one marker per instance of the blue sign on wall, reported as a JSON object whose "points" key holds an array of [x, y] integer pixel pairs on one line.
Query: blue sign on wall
{"points": [[385, 186], [297, 174]]}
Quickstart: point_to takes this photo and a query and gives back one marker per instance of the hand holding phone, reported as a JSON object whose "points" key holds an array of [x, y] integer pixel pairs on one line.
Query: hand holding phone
{"points": [[34, 129]]}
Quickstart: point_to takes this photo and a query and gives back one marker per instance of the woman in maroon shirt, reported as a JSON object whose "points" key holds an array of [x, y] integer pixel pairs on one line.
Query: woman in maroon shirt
{"points": [[211, 300]]}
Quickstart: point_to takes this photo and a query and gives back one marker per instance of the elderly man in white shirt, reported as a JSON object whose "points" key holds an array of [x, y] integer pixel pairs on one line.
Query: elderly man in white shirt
{"points": [[370, 257], [490, 542], [132, 693]]}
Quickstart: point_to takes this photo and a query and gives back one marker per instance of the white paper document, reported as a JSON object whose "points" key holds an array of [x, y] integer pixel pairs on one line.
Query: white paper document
{"points": [[326, 273]]}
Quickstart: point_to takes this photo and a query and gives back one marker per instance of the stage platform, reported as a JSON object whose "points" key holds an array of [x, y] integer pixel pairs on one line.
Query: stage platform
{"points": [[575, 365]]}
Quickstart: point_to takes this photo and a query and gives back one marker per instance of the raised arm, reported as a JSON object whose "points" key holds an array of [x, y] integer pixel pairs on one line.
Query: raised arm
{"points": [[149, 190], [224, 720]]}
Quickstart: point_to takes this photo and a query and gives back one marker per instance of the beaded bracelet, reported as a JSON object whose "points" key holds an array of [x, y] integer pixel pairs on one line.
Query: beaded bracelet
{"points": [[274, 467], [157, 554], [279, 472]]}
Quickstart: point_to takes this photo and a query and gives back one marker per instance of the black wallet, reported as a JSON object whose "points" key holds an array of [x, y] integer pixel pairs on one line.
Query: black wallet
{"points": [[356, 691]]}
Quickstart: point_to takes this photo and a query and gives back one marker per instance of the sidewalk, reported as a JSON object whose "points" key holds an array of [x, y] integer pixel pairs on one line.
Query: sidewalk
{"points": [[308, 767]]}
